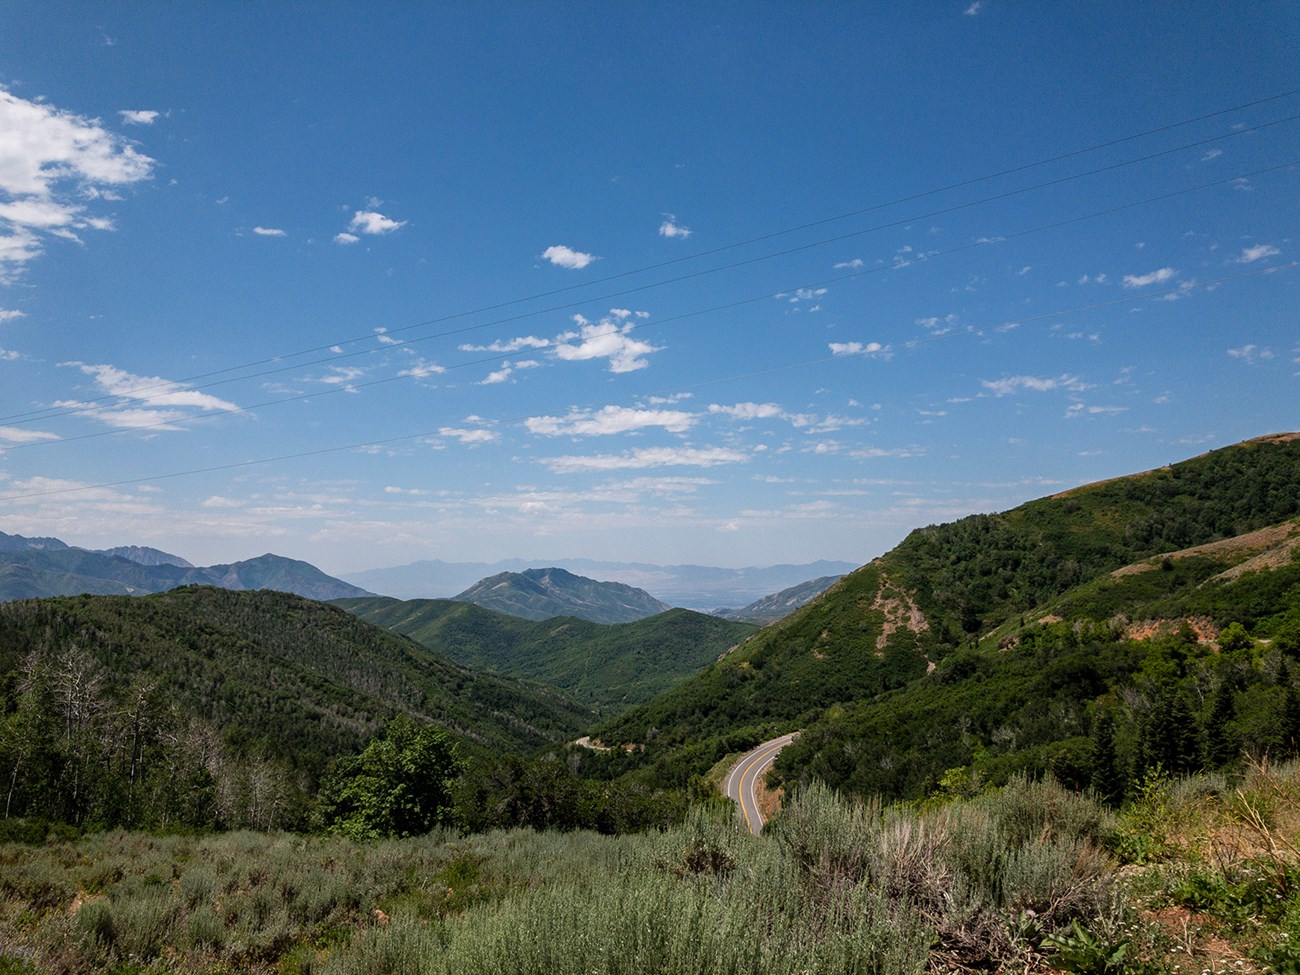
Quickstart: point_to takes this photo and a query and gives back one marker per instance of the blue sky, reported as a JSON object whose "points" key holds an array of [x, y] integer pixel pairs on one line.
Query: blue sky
{"points": [[724, 283]]}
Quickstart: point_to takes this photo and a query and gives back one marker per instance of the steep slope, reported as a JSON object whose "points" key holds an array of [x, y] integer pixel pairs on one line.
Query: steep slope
{"points": [[608, 666], [1185, 655], [894, 620], [303, 679], [771, 608], [540, 594]]}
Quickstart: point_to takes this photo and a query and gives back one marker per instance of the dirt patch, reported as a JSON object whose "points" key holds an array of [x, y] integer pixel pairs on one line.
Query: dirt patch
{"points": [[1264, 549], [1195, 936], [1202, 626], [769, 800], [899, 610]]}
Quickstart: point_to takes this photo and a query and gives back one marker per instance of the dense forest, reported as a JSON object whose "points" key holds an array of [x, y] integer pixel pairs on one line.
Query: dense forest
{"points": [[205, 707], [609, 667]]}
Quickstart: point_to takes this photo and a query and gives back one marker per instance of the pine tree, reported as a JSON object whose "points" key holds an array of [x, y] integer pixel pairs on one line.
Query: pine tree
{"points": [[1221, 745], [1105, 778]]}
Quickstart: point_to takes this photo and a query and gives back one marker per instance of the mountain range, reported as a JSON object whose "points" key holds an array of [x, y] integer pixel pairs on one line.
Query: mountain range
{"points": [[31, 568], [699, 587]]}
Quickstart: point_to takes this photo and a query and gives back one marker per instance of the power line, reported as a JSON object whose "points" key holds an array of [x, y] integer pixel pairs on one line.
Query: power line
{"points": [[738, 303], [981, 330], [36, 415]]}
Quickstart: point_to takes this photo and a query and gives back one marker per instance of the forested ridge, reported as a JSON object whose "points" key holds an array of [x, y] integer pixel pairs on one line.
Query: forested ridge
{"points": [[609, 666], [200, 688], [932, 618]]}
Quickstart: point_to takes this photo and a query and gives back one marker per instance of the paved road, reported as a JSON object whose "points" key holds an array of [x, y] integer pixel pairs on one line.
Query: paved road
{"points": [[741, 780]]}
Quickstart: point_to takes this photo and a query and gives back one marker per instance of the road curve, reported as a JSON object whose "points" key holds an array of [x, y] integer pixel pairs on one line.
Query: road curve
{"points": [[740, 782]]}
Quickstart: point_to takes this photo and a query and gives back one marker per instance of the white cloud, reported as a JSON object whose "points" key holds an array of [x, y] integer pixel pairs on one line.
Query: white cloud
{"points": [[414, 492], [802, 294], [51, 163], [855, 348], [422, 370], [974, 8], [647, 457], [130, 117], [749, 411], [9, 314], [671, 228], [1251, 354], [509, 345], [468, 436], [152, 391], [871, 453], [609, 420], [342, 376], [604, 340], [1252, 254], [18, 435], [269, 232], [1012, 384], [852, 265], [345, 238], [500, 376], [1155, 277], [562, 256], [370, 222]]}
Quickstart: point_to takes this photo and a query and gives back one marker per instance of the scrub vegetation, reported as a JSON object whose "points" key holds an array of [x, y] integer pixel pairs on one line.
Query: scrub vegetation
{"points": [[1199, 872]]}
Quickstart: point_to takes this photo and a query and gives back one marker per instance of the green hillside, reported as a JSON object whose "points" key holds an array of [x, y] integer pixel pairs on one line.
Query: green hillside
{"points": [[199, 678], [912, 620], [608, 666], [542, 594]]}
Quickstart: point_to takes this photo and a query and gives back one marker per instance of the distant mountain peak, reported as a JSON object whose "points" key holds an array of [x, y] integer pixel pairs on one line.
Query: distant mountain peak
{"points": [[539, 594]]}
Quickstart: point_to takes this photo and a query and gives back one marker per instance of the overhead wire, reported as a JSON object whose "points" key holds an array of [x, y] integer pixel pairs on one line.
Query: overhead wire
{"points": [[113, 400], [658, 323], [913, 343], [186, 382]]}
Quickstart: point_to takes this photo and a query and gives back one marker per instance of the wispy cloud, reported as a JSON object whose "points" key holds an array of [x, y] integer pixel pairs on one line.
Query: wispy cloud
{"points": [[509, 345], [1251, 254], [562, 256], [1251, 354], [269, 232], [1038, 384], [647, 457], [152, 392], [609, 420], [345, 238], [19, 435], [856, 348], [9, 314], [974, 9], [1154, 277]]}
